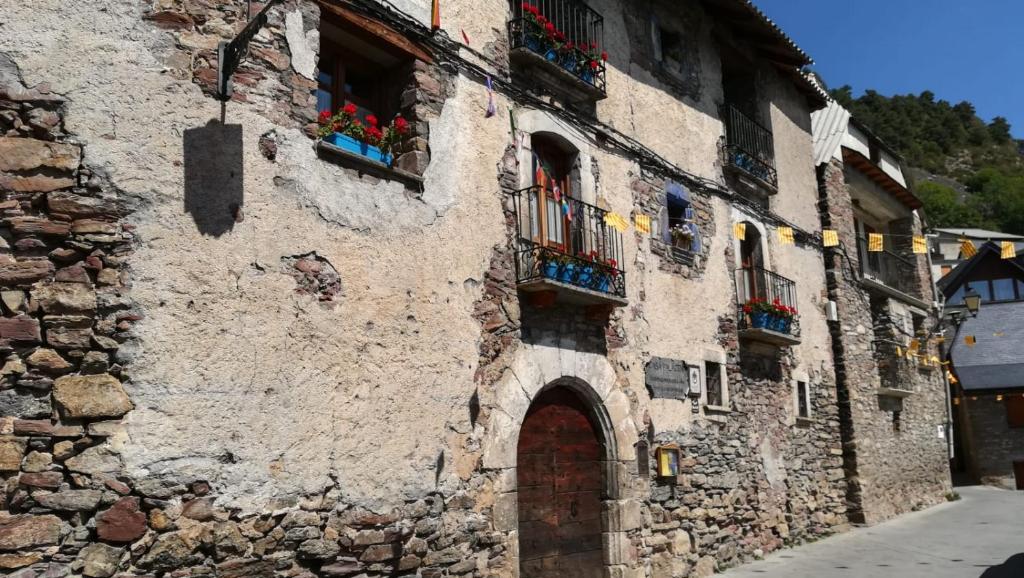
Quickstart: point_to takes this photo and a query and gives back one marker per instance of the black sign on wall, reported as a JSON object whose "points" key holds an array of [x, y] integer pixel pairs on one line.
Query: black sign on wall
{"points": [[667, 378]]}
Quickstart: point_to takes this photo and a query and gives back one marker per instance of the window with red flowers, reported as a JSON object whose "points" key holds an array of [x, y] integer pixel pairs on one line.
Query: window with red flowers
{"points": [[375, 86]]}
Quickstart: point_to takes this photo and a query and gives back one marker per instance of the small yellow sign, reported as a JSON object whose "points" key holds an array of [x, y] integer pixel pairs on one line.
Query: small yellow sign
{"points": [[1008, 250], [830, 238]]}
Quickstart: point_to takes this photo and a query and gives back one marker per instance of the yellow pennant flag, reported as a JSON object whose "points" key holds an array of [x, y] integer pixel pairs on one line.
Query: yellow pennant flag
{"points": [[899, 351], [935, 359], [912, 348], [951, 377], [615, 221], [739, 230], [970, 340], [875, 242], [967, 248], [1007, 250], [830, 238], [920, 245], [786, 235], [642, 222]]}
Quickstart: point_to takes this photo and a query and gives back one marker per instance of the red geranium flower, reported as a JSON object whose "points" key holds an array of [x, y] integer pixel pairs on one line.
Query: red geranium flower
{"points": [[541, 18], [371, 120], [350, 109], [569, 45], [593, 65], [550, 28], [325, 115], [337, 127], [401, 125], [357, 122], [604, 56]]}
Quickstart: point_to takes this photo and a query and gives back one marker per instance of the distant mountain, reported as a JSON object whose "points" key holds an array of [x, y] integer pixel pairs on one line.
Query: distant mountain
{"points": [[968, 172]]}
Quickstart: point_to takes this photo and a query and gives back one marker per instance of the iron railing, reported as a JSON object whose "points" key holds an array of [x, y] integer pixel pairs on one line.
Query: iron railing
{"points": [[567, 241], [574, 41], [749, 146], [888, 268], [756, 284]]}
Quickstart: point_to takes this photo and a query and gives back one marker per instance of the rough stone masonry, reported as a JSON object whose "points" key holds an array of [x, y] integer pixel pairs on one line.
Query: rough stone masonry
{"points": [[228, 353]]}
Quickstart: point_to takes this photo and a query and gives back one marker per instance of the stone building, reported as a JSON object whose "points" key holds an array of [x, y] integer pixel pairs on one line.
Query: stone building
{"points": [[235, 349], [984, 359], [893, 405]]}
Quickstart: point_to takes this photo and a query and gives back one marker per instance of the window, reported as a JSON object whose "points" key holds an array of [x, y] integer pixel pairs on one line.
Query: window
{"points": [[350, 71], [1002, 290], [982, 288], [1015, 411], [678, 228], [669, 49], [803, 399], [713, 384]]}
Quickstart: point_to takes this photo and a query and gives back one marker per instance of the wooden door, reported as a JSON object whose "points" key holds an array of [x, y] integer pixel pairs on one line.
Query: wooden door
{"points": [[1018, 473], [559, 476]]}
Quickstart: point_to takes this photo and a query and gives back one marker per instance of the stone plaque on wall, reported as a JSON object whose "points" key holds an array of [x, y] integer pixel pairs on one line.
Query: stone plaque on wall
{"points": [[667, 378]]}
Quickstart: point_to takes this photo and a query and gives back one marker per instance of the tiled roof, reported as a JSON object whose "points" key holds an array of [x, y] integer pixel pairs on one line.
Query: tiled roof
{"points": [[995, 361]]}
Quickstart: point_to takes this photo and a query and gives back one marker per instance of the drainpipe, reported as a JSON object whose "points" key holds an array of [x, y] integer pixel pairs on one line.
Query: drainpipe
{"points": [[940, 309]]}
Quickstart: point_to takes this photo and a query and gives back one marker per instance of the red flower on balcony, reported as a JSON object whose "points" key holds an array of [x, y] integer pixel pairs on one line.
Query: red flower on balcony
{"points": [[350, 109], [371, 120], [325, 117]]}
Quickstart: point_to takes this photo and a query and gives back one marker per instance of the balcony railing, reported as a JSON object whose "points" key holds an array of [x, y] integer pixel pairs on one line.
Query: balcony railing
{"points": [[567, 34], [566, 242], [758, 290], [749, 146], [887, 268]]}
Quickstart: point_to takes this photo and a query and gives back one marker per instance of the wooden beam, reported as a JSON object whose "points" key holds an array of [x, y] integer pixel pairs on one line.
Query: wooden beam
{"points": [[377, 29]]}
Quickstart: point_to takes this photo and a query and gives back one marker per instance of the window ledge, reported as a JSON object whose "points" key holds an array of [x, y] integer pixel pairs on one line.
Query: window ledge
{"points": [[892, 392], [805, 421], [716, 409], [340, 156]]}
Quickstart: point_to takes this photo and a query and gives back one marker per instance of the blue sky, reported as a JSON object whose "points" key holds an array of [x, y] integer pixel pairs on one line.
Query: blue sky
{"points": [[959, 49]]}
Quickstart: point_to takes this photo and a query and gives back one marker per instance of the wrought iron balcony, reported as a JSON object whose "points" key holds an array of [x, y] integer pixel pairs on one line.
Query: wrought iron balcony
{"points": [[564, 247], [562, 43], [749, 147], [766, 304], [885, 269]]}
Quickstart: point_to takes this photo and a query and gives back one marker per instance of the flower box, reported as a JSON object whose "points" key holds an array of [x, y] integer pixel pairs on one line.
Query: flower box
{"points": [[358, 147]]}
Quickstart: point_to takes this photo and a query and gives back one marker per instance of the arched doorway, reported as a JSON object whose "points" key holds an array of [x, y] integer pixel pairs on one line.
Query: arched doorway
{"points": [[561, 486]]}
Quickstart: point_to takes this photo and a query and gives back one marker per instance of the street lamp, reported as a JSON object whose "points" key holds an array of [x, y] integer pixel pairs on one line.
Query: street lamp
{"points": [[972, 300]]}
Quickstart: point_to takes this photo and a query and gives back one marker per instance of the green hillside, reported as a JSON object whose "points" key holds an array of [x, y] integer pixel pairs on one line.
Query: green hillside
{"points": [[969, 173]]}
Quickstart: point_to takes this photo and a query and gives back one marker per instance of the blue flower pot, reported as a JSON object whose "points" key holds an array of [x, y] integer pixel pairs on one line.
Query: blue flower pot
{"points": [[760, 320], [551, 55], [533, 43], [586, 276], [587, 75], [352, 145], [550, 269], [569, 62], [567, 274], [782, 324], [604, 283]]}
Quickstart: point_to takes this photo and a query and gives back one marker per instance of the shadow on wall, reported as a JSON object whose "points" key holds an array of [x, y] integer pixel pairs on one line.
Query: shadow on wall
{"points": [[1012, 568], [213, 176]]}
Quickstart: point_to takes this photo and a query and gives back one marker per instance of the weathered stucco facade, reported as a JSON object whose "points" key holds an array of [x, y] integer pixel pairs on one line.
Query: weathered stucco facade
{"points": [[231, 351]]}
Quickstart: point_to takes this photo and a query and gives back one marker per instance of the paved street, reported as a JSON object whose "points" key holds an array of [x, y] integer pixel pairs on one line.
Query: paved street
{"points": [[971, 538]]}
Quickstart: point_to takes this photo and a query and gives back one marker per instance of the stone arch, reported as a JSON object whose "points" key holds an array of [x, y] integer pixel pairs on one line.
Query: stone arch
{"points": [[538, 368]]}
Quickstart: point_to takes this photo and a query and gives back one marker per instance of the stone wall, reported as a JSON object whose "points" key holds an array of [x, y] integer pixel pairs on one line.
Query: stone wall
{"points": [[894, 460], [330, 382], [990, 444]]}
